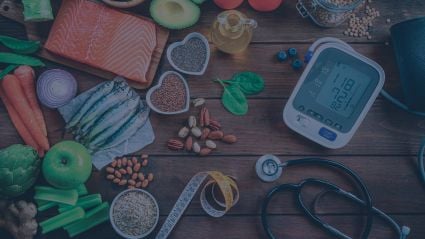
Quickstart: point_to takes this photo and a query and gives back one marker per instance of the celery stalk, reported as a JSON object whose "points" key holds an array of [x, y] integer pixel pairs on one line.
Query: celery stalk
{"points": [[61, 220], [69, 197], [85, 202], [82, 190], [93, 218], [44, 205]]}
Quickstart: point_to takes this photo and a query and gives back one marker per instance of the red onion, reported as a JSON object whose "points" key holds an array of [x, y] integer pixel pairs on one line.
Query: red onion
{"points": [[56, 88]]}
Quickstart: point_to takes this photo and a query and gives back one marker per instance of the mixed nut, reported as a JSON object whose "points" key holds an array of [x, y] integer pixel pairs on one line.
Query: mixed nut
{"points": [[127, 172], [200, 134]]}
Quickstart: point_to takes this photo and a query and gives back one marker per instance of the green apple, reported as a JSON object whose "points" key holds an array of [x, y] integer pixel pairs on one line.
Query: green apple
{"points": [[67, 165]]}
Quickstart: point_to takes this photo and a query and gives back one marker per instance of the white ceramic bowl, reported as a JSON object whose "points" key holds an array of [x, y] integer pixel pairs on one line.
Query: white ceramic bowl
{"points": [[187, 38], [161, 79], [117, 230]]}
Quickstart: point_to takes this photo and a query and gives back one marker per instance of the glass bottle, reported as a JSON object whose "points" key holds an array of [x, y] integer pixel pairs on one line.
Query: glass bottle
{"points": [[232, 31]]}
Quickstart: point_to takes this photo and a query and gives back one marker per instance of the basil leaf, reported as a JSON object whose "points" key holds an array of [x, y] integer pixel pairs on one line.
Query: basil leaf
{"points": [[234, 100], [250, 83]]}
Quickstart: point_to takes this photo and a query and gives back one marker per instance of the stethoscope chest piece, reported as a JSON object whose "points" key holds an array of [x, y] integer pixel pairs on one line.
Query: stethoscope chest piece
{"points": [[268, 168]]}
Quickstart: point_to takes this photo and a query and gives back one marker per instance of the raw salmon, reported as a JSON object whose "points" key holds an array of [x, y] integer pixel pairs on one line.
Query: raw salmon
{"points": [[104, 38]]}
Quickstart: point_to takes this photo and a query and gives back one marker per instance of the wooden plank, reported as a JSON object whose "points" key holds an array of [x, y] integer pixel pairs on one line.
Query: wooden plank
{"points": [[384, 176], [385, 131], [249, 227]]}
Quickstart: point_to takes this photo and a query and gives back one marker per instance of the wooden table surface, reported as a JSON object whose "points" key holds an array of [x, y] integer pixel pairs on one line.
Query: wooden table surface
{"points": [[383, 151]]}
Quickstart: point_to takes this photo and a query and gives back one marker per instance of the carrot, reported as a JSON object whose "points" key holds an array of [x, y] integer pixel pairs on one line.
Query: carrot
{"points": [[15, 94], [19, 125], [26, 77]]}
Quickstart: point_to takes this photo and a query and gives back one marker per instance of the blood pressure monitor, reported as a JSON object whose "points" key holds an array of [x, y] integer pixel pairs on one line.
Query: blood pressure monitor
{"points": [[333, 95]]}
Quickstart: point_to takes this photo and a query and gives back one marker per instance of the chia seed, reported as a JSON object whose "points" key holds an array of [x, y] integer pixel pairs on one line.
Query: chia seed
{"points": [[190, 57], [135, 213], [171, 96]]}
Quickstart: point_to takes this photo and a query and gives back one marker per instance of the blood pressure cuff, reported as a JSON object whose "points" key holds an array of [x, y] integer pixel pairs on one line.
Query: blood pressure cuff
{"points": [[408, 39]]}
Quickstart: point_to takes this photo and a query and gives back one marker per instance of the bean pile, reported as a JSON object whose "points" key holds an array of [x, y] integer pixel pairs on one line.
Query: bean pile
{"points": [[127, 172], [329, 17], [190, 57], [171, 96], [359, 26], [134, 213]]}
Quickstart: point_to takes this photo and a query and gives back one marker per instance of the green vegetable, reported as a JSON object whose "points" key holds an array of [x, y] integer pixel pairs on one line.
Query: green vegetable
{"points": [[45, 205], [19, 169], [12, 58], [20, 46], [85, 203], [37, 11], [93, 218], [50, 194], [62, 219], [82, 190], [249, 82], [7, 70], [234, 100]]}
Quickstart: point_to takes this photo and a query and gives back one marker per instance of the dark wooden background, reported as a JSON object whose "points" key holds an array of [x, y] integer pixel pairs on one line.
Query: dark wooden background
{"points": [[383, 151]]}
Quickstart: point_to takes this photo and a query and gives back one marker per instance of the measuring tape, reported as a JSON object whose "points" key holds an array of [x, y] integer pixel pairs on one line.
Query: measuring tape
{"points": [[227, 186]]}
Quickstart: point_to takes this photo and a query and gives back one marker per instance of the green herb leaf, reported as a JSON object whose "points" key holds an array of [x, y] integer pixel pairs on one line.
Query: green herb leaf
{"points": [[250, 83], [7, 70], [12, 58], [234, 100], [20, 46]]}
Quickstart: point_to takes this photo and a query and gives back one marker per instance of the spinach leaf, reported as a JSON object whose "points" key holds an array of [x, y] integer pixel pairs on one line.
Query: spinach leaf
{"points": [[20, 46], [250, 83], [234, 100]]}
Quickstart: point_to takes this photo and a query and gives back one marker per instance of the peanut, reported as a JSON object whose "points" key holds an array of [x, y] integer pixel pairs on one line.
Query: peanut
{"points": [[116, 180], [145, 156], [138, 184], [134, 160], [123, 171], [119, 163], [110, 177], [130, 187], [118, 174], [122, 182], [205, 151], [132, 182], [129, 163], [145, 162], [134, 176], [150, 177], [114, 163], [145, 183], [129, 170], [141, 176], [124, 161], [110, 170]]}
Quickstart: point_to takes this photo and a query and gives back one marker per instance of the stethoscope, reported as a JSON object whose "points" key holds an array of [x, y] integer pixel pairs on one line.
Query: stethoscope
{"points": [[269, 168]]}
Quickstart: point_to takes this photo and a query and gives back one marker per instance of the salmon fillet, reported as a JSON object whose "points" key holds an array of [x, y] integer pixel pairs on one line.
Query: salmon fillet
{"points": [[104, 38]]}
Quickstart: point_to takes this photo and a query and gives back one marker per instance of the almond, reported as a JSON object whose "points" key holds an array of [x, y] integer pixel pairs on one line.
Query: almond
{"points": [[230, 139], [216, 135], [131, 187], [188, 144], [205, 133], [205, 151]]}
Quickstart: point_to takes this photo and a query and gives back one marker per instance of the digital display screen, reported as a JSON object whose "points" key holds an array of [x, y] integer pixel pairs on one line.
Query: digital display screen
{"points": [[343, 89]]}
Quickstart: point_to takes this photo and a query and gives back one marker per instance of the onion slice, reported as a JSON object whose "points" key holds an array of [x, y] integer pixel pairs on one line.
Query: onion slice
{"points": [[56, 88]]}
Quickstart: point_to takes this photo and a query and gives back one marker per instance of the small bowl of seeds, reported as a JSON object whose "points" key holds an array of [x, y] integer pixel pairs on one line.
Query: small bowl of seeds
{"points": [[134, 213], [190, 56], [170, 96]]}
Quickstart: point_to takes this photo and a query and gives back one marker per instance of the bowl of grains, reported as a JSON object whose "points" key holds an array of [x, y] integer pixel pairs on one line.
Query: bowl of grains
{"points": [[190, 56], [134, 213], [170, 96]]}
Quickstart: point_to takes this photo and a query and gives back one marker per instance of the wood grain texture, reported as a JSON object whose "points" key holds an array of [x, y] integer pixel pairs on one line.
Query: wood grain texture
{"points": [[383, 151]]}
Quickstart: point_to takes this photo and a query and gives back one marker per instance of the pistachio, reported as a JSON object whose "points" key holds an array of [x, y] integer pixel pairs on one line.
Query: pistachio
{"points": [[196, 132], [198, 102], [183, 132], [210, 144], [191, 121], [196, 147]]}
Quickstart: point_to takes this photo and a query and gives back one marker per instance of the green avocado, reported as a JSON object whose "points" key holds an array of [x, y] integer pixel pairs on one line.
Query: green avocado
{"points": [[175, 14]]}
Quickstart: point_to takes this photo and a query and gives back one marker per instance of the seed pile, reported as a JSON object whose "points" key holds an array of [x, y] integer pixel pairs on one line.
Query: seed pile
{"points": [[360, 24], [135, 213], [171, 96], [127, 172], [200, 134], [190, 57], [332, 18]]}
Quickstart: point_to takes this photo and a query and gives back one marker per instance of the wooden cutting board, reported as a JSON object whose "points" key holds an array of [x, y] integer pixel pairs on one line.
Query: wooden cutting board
{"points": [[13, 10]]}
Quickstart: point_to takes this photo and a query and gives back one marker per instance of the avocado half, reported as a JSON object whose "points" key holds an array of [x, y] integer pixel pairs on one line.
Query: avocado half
{"points": [[175, 14]]}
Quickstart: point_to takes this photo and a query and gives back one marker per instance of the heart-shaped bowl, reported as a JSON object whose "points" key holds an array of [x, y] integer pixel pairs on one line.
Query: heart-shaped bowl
{"points": [[183, 43], [158, 87]]}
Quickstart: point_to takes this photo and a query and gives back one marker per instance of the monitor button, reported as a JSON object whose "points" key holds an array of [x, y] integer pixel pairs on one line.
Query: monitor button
{"points": [[301, 108], [311, 113], [302, 120], [338, 126], [327, 134], [329, 122], [318, 116]]}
